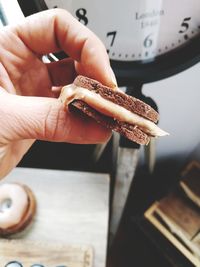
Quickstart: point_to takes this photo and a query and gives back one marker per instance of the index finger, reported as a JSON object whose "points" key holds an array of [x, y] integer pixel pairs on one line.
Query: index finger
{"points": [[55, 30]]}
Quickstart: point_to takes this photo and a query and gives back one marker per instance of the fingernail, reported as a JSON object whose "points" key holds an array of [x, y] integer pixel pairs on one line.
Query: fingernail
{"points": [[113, 78]]}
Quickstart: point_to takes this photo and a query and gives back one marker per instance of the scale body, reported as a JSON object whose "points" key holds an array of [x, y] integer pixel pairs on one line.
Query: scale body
{"points": [[145, 40]]}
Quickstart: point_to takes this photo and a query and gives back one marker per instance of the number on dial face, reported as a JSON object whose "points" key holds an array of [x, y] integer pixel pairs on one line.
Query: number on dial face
{"points": [[81, 15], [139, 29]]}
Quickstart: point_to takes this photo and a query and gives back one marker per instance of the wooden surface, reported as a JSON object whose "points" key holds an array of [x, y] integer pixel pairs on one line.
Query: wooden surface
{"points": [[189, 254], [178, 220], [177, 215], [29, 253], [72, 208], [182, 217], [190, 181]]}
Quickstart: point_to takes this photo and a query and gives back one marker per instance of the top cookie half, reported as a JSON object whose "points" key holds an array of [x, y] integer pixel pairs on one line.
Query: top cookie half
{"points": [[118, 97]]}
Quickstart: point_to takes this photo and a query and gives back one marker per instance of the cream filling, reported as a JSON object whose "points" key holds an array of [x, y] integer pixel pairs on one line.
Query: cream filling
{"points": [[108, 108]]}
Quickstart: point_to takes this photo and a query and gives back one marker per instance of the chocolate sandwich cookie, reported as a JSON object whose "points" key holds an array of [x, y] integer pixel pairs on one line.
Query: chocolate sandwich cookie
{"points": [[112, 108]]}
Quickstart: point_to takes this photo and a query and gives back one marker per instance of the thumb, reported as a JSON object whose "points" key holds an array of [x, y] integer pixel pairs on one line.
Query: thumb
{"points": [[25, 117]]}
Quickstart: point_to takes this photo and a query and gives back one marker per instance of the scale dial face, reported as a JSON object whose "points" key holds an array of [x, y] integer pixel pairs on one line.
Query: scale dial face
{"points": [[146, 39], [137, 30]]}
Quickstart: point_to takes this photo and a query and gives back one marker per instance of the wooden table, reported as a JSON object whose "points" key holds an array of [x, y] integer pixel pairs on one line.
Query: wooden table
{"points": [[73, 208]]}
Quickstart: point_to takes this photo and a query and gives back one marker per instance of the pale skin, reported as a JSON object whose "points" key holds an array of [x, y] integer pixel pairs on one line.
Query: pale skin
{"points": [[29, 107]]}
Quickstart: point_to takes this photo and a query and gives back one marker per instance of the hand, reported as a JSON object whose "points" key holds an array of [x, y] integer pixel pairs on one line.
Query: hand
{"points": [[28, 107]]}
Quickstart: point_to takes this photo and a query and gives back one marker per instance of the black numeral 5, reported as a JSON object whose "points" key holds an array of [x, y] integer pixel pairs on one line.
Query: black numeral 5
{"points": [[185, 25]]}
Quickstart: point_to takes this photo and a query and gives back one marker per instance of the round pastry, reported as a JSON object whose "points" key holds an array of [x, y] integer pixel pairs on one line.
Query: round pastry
{"points": [[17, 208]]}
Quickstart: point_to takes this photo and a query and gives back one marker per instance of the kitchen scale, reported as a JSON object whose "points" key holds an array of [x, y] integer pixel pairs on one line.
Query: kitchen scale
{"points": [[146, 40]]}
